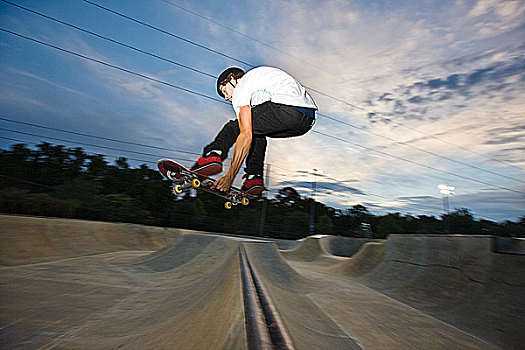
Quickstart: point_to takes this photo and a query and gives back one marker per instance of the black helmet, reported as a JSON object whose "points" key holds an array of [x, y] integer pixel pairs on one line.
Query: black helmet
{"points": [[224, 76]]}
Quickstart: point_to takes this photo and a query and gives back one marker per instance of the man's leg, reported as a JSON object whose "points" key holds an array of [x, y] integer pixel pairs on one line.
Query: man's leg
{"points": [[255, 158], [210, 163], [279, 121], [224, 140], [272, 120], [268, 119], [254, 182]]}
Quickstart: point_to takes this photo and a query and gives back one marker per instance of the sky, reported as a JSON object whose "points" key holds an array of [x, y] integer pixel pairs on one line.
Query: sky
{"points": [[411, 94]]}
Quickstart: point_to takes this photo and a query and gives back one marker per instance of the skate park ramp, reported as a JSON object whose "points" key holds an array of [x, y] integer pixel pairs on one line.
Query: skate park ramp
{"points": [[458, 280], [333, 251], [72, 284], [470, 282], [123, 294], [28, 240], [310, 250], [344, 246]]}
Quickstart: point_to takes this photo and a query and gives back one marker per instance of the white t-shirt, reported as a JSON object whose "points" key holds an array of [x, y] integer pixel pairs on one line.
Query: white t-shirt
{"points": [[263, 84]]}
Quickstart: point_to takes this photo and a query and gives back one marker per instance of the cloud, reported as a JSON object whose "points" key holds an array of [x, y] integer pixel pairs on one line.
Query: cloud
{"points": [[446, 77], [324, 187], [486, 204], [11, 98], [493, 205], [490, 82], [22, 73], [504, 136], [492, 17], [511, 155], [165, 110], [428, 69]]}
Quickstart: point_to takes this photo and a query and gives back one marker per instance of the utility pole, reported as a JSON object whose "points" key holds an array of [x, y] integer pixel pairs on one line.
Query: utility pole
{"points": [[314, 172], [265, 203]]}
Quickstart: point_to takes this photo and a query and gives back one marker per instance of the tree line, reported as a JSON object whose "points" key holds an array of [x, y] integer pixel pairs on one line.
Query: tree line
{"points": [[54, 180]]}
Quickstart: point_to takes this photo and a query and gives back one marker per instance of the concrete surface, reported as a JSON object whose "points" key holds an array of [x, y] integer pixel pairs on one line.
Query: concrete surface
{"points": [[456, 280], [344, 246], [71, 284]]}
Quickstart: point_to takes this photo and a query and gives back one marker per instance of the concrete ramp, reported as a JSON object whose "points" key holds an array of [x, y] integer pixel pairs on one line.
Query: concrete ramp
{"points": [[310, 250], [307, 325], [173, 308], [344, 246], [355, 256], [185, 296], [459, 280], [364, 261], [70, 284], [26, 240], [325, 311], [188, 249]]}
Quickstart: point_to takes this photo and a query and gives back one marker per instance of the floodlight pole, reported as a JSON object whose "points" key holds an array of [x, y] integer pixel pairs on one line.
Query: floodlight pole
{"points": [[446, 190]]}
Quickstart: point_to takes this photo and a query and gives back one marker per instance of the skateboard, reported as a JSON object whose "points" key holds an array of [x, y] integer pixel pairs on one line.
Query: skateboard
{"points": [[183, 179]]}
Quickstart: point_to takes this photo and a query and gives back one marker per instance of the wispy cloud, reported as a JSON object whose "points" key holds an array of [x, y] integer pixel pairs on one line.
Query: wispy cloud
{"points": [[54, 84]]}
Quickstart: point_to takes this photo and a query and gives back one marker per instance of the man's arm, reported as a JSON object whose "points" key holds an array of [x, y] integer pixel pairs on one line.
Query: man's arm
{"points": [[242, 146]]}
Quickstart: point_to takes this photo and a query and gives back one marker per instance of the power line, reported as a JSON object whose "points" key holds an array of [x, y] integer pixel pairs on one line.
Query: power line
{"points": [[222, 101], [113, 66], [134, 159], [415, 130], [85, 144], [416, 163], [309, 88], [209, 75], [420, 149], [110, 40], [170, 34], [101, 138], [320, 185], [247, 36], [98, 137]]}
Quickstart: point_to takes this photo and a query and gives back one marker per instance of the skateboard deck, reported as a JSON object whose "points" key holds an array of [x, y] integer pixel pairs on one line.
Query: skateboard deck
{"points": [[183, 179]]}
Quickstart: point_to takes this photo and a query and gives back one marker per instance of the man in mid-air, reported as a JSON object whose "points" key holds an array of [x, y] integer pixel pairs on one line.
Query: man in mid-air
{"points": [[268, 103]]}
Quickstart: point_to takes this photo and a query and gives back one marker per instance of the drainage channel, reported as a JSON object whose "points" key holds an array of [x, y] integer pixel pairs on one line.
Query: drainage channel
{"points": [[264, 326]]}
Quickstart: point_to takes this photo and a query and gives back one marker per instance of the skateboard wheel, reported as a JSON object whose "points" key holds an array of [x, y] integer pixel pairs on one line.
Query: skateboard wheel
{"points": [[245, 201], [195, 183], [228, 205], [177, 189]]}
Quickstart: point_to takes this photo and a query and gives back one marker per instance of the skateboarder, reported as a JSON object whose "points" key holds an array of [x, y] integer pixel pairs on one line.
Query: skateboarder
{"points": [[268, 103]]}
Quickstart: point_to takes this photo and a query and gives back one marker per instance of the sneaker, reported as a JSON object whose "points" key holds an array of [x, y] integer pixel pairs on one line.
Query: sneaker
{"points": [[209, 165], [253, 184]]}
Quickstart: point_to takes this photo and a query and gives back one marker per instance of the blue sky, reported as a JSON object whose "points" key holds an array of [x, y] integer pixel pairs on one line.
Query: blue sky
{"points": [[411, 94]]}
